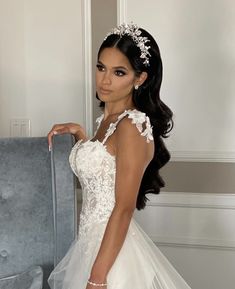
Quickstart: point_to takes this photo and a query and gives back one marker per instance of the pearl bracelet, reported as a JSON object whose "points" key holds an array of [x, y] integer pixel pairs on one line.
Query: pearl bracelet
{"points": [[96, 284]]}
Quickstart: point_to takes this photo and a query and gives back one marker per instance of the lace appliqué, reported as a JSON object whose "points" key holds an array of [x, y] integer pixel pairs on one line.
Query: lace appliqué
{"points": [[138, 118], [98, 121], [96, 169]]}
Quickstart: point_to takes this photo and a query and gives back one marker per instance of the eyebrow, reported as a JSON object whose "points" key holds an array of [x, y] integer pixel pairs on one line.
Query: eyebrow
{"points": [[115, 67]]}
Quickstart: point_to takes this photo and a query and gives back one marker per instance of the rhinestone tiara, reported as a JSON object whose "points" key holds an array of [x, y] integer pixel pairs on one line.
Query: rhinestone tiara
{"points": [[133, 31]]}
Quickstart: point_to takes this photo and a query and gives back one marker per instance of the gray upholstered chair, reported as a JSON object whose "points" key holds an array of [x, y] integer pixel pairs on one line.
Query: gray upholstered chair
{"points": [[38, 209]]}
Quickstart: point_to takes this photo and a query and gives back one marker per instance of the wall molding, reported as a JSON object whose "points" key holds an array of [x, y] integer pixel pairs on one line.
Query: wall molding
{"points": [[87, 64], [203, 220], [199, 243], [121, 11], [193, 200], [203, 156]]}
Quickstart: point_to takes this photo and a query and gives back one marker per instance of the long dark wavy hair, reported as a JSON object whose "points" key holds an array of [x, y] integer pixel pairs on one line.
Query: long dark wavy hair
{"points": [[147, 99]]}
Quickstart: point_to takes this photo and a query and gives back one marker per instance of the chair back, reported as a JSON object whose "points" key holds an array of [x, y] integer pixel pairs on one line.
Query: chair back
{"points": [[38, 206]]}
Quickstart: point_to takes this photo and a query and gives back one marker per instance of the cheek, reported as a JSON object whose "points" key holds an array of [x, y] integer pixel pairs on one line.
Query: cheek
{"points": [[126, 84], [97, 77]]}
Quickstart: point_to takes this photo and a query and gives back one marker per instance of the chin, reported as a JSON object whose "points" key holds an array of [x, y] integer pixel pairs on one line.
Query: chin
{"points": [[104, 97]]}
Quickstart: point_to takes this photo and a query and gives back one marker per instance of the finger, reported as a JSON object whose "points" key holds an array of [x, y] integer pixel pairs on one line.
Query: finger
{"points": [[61, 130], [56, 130], [49, 139], [50, 135]]}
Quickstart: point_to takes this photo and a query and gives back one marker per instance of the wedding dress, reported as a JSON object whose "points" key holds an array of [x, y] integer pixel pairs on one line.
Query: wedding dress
{"points": [[139, 264]]}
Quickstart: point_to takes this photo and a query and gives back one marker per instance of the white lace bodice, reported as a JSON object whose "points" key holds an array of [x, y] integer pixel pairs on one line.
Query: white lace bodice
{"points": [[96, 168]]}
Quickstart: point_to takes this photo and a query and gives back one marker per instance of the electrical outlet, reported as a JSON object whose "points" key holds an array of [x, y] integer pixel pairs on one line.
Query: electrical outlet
{"points": [[20, 128]]}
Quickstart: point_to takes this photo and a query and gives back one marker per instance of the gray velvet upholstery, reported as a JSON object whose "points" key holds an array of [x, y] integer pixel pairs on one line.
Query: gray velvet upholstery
{"points": [[31, 279], [37, 204]]}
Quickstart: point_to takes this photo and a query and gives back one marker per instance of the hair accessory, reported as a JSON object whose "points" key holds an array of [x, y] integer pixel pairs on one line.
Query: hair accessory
{"points": [[133, 31], [96, 284]]}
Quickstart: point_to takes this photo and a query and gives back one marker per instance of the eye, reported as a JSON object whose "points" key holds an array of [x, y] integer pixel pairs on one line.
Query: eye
{"points": [[100, 67], [120, 73]]}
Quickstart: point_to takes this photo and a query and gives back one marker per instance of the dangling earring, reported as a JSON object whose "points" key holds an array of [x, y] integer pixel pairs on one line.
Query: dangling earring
{"points": [[136, 87]]}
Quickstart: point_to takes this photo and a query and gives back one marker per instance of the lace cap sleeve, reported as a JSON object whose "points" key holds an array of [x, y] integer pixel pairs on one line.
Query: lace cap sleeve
{"points": [[142, 122], [140, 119]]}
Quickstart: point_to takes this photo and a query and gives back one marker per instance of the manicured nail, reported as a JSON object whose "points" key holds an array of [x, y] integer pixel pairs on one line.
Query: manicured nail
{"points": [[49, 148], [55, 132]]}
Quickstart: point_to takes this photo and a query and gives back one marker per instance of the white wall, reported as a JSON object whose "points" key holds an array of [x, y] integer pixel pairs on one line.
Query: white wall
{"points": [[196, 39], [41, 63]]}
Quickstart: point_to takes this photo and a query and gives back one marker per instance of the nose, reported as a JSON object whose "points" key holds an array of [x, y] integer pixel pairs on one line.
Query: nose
{"points": [[106, 78]]}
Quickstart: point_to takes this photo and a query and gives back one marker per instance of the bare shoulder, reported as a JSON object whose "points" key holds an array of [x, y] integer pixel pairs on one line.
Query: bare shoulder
{"points": [[136, 122], [134, 133], [126, 127]]}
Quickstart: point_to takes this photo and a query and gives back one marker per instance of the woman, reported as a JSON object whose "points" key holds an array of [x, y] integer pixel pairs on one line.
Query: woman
{"points": [[117, 168]]}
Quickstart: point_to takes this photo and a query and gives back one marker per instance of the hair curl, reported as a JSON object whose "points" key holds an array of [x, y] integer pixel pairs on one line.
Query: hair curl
{"points": [[147, 99]]}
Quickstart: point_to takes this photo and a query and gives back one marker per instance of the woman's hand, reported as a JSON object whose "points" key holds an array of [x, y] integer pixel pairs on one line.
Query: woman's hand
{"points": [[63, 128]]}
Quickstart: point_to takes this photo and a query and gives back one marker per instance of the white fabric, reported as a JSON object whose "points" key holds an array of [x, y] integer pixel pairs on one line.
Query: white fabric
{"points": [[139, 264]]}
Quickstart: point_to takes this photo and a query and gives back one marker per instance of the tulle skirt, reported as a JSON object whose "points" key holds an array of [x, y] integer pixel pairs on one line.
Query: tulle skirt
{"points": [[139, 264]]}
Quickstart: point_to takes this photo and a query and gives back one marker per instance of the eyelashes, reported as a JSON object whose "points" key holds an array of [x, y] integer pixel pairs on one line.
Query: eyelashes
{"points": [[117, 72], [120, 73], [100, 67]]}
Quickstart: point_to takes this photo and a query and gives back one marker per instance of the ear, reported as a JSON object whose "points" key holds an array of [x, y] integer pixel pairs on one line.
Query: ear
{"points": [[141, 79]]}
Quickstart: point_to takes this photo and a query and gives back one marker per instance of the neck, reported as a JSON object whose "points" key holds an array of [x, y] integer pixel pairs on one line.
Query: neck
{"points": [[110, 110]]}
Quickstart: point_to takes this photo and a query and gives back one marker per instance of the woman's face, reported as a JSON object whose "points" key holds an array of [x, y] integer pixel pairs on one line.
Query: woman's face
{"points": [[115, 78]]}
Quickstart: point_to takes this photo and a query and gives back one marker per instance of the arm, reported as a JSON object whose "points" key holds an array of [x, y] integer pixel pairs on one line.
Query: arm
{"points": [[132, 158]]}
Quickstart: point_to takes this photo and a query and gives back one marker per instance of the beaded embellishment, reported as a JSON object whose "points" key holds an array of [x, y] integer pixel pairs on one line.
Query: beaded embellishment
{"points": [[133, 31]]}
